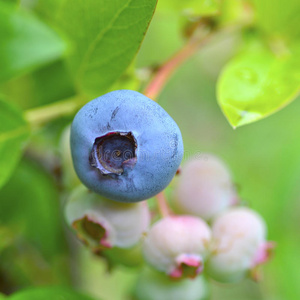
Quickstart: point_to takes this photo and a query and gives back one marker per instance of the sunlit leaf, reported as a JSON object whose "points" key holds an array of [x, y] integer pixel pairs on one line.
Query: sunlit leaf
{"points": [[105, 34], [257, 83], [26, 42], [13, 133]]}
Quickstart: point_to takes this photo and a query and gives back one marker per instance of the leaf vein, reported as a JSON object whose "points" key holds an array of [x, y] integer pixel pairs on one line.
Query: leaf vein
{"points": [[93, 45]]}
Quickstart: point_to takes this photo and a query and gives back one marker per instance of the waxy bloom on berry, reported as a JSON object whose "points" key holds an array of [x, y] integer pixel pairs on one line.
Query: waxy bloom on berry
{"points": [[239, 245]]}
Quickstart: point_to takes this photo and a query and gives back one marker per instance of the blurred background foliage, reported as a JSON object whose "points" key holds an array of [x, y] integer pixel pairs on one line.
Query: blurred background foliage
{"points": [[59, 54]]}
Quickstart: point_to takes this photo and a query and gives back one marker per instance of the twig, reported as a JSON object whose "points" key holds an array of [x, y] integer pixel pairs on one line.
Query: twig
{"points": [[39, 115]]}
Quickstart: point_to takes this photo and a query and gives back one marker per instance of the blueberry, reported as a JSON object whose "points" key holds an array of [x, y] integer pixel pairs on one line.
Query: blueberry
{"points": [[125, 147]]}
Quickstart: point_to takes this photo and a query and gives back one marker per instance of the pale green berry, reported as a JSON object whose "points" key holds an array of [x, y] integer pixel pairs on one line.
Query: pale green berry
{"points": [[102, 223]]}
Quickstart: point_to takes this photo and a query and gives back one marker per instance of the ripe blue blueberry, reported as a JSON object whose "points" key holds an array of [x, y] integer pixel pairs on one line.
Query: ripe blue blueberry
{"points": [[125, 146]]}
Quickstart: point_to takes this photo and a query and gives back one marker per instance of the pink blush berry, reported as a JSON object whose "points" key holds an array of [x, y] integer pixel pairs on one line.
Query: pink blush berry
{"points": [[177, 245], [239, 244], [205, 187]]}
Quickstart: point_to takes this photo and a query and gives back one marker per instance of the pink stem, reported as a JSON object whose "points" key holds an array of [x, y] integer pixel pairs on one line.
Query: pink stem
{"points": [[163, 205], [164, 73]]}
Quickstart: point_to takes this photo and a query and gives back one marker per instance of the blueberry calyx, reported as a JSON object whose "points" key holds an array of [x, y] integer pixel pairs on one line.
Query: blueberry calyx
{"points": [[94, 230], [113, 152], [92, 233]]}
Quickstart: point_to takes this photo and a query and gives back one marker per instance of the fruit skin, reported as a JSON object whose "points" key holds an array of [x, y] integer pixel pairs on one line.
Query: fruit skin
{"points": [[178, 246], [239, 245], [204, 187], [159, 143]]}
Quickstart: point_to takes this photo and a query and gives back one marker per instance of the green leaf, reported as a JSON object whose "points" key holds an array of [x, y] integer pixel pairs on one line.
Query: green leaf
{"points": [[105, 34], [37, 88], [13, 133], [46, 293], [33, 208], [26, 42], [6, 238], [29, 208], [258, 83]]}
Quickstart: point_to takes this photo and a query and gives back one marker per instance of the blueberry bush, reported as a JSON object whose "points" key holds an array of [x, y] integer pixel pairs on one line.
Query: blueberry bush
{"points": [[121, 174]]}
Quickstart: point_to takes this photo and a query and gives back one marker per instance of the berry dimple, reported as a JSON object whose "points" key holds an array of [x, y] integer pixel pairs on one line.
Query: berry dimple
{"points": [[113, 152]]}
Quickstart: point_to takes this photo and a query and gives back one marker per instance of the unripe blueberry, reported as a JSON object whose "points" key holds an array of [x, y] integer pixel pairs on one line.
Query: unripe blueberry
{"points": [[204, 187], [239, 245], [177, 245], [152, 285], [102, 223], [125, 146]]}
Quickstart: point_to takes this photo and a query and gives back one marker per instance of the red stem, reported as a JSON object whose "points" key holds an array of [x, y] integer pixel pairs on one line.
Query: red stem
{"points": [[164, 73], [163, 205]]}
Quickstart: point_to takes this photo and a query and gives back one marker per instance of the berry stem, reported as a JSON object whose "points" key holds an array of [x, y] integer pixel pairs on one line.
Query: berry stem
{"points": [[163, 206], [43, 114], [166, 70]]}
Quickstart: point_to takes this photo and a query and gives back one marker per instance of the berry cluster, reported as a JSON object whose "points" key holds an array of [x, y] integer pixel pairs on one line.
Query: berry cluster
{"points": [[126, 149]]}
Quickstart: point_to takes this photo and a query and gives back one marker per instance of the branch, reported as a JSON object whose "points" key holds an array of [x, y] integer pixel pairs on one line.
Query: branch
{"points": [[39, 115]]}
